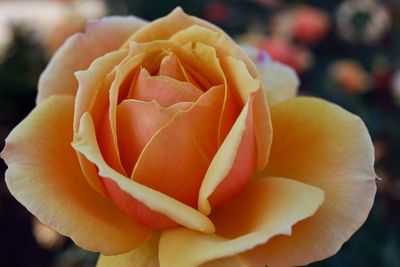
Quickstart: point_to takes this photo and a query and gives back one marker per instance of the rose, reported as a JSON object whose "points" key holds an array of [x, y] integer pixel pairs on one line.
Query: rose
{"points": [[172, 160]]}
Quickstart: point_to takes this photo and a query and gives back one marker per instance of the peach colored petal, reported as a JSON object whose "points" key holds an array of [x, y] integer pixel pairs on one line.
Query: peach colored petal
{"points": [[137, 122], [240, 79], [268, 207], [232, 261], [163, 89], [171, 67], [197, 77], [240, 137], [78, 52], [124, 75], [92, 94], [323, 145], [192, 65], [280, 82], [93, 97], [208, 57], [175, 160], [263, 129], [165, 27], [242, 168], [85, 142], [230, 110], [46, 178], [216, 38], [144, 256]]}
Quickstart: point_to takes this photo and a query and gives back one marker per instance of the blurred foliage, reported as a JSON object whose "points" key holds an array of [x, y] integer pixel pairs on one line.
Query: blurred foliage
{"points": [[377, 243]]}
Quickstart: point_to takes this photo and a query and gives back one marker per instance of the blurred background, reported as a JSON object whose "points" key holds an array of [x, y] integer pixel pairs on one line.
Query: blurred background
{"points": [[345, 51]]}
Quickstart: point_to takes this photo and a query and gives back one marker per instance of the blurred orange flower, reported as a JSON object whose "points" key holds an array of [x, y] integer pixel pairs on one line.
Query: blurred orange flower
{"points": [[350, 75], [287, 53], [310, 24], [172, 160]]}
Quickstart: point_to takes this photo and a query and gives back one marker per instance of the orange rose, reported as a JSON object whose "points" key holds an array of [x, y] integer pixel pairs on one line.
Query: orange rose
{"points": [[172, 160]]}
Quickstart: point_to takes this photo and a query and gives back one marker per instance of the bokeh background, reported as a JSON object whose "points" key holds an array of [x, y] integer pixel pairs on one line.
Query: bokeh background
{"points": [[345, 51]]}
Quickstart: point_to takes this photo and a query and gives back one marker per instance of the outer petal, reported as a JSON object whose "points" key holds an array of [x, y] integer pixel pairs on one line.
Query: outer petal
{"points": [[44, 175], [321, 144], [94, 86], [144, 256], [138, 201], [232, 261], [280, 82], [92, 95], [268, 207], [164, 28], [80, 50]]}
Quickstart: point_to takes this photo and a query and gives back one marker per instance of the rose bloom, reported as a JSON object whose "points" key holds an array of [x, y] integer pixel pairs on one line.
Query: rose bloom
{"points": [[177, 159]]}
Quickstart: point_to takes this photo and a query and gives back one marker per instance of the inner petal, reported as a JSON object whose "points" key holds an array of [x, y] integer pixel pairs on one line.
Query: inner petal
{"points": [[191, 63], [171, 66], [163, 89], [137, 122], [175, 160], [233, 165]]}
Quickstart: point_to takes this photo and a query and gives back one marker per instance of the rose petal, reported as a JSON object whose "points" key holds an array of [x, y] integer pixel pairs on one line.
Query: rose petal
{"points": [[280, 82], [268, 207], [46, 178], [107, 134], [142, 202], [175, 160], [207, 55], [144, 256], [165, 27], [321, 144], [163, 89], [232, 165], [216, 38], [80, 50], [94, 86], [240, 79], [171, 67], [230, 110], [126, 76], [192, 65], [236, 261], [137, 122]]}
